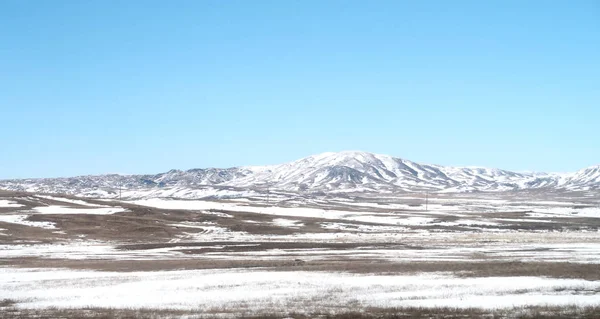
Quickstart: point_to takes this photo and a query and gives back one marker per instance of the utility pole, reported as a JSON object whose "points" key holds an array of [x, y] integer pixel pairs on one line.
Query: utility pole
{"points": [[426, 200], [120, 184]]}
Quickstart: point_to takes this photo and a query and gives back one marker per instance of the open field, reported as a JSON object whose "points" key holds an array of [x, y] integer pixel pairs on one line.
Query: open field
{"points": [[521, 254]]}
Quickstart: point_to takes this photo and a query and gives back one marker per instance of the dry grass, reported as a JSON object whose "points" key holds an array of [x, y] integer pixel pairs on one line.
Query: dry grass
{"points": [[92, 313], [368, 313], [366, 266], [7, 303]]}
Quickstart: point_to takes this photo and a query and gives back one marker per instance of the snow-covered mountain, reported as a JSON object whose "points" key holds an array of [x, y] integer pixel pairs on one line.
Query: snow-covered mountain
{"points": [[327, 173]]}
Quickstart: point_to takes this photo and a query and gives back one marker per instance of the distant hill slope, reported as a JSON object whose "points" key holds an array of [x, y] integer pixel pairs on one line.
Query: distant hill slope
{"points": [[327, 172]]}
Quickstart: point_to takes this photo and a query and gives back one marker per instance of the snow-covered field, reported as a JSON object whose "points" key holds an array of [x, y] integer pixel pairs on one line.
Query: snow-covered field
{"points": [[291, 255], [297, 291]]}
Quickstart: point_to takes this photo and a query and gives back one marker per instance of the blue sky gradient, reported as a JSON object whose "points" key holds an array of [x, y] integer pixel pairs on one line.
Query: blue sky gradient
{"points": [[92, 87]]}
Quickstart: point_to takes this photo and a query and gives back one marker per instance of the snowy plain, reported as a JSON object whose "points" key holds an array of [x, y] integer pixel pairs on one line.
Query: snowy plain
{"points": [[298, 291], [297, 233]]}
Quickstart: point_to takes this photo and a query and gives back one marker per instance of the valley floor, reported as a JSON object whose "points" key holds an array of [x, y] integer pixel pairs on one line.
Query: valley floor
{"points": [[456, 255]]}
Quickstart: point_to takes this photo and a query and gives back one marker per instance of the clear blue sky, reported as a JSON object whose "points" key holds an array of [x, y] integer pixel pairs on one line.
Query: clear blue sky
{"points": [[90, 87]]}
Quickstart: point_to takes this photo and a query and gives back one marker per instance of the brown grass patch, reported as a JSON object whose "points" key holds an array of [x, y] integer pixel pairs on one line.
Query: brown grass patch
{"points": [[337, 264], [366, 313]]}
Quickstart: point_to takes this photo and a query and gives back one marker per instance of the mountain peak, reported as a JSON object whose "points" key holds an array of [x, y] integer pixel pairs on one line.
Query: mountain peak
{"points": [[351, 153], [345, 154]]}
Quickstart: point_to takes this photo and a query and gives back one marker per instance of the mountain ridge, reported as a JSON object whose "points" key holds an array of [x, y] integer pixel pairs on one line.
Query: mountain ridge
{"points": [[330, 172]]}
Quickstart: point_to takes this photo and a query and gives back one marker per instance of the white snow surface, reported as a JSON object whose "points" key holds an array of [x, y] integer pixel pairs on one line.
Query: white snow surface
{"points": [[291, 290], [71, 201], [68, 210], [22, 220], [593, 212], [287, 223], [8, 203]]}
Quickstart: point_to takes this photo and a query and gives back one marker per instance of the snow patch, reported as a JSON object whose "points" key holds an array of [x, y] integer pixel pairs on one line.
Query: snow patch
{"points": [[66, 210], [22, 220], [8, 203], [71, 201], [281, 222]]}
